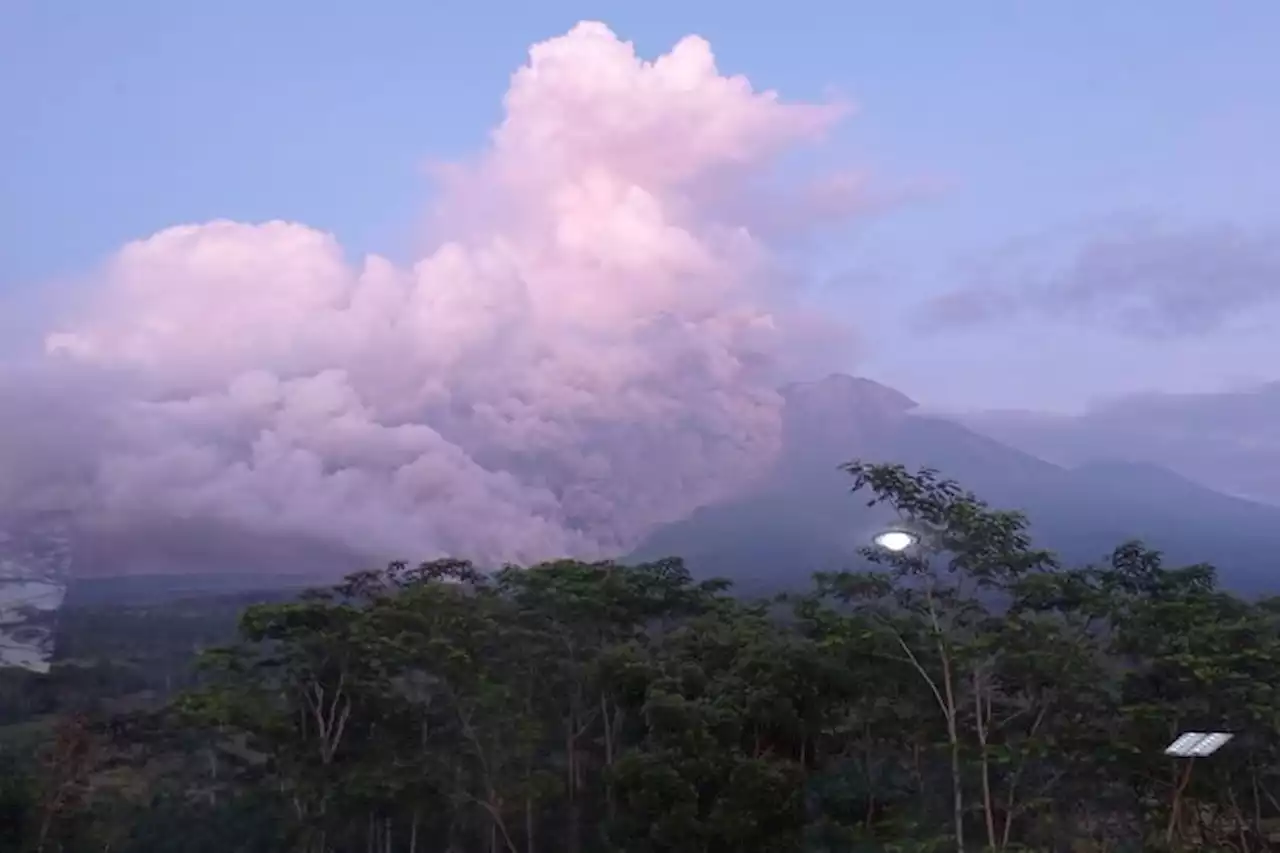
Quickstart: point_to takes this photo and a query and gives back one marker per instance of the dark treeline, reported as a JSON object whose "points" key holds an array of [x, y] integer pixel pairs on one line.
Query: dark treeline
{"points": [[966, 694]]}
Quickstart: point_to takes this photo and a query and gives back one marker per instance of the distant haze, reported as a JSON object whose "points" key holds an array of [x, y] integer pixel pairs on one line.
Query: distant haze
{"points": [[1229, 441]]}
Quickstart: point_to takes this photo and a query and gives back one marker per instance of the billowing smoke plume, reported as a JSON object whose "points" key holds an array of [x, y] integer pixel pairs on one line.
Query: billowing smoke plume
{"points": [[591, 349]]}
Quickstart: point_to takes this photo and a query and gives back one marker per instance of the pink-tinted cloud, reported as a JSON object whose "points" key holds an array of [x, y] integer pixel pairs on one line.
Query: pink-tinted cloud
{"points": [[591, 349]]}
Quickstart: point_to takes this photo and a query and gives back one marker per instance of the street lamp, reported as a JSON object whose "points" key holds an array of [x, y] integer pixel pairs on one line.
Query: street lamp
{"points": [[1197, 744], [896, 540]]}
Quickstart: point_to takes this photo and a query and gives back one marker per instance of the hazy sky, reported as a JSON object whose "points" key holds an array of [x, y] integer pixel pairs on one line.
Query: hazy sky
{"points": [[1090, 199]]}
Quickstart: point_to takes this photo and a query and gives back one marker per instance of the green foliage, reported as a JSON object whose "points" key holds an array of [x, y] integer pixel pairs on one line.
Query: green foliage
{"points": [[966, 694]]}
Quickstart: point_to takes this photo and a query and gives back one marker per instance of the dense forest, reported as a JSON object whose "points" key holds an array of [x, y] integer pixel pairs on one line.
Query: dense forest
{"points": [[968, 693]]}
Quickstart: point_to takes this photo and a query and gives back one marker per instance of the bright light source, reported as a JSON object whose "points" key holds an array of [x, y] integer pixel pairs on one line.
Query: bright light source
{"points": [[895, 540], [1197, 744]]}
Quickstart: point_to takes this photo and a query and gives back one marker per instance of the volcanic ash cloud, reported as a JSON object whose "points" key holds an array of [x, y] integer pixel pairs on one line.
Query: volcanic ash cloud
{"points": [[592, 348]]}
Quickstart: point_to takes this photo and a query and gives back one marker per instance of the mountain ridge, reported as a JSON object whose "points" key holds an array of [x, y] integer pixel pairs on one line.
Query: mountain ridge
{"points": [[1226, 440], [802, 518]]}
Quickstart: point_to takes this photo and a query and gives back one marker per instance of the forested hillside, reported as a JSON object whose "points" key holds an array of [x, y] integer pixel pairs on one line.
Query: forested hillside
{"points": [[965, 694]]}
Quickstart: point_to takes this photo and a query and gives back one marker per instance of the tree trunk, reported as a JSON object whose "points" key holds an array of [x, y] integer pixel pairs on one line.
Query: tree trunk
{"points": [[988, 807], [528, 825], [46, 823], [573, 833], [957, 788], [611, 805], [1175, 807], [953, 735]]}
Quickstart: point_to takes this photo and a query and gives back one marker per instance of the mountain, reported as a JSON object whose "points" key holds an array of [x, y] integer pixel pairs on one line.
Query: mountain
{"points": [[1228, 441], [801, 518]]}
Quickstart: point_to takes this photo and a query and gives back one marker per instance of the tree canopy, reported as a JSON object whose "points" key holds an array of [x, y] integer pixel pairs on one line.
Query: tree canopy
{"points": [[967, 693]]}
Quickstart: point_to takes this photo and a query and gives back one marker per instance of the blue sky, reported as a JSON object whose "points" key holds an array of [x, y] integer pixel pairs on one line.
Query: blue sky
{"points": [[1037, 120]]}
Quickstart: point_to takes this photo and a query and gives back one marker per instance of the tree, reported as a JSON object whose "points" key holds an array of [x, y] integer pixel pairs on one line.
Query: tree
{"points": [[928, 609], [966, 694]]}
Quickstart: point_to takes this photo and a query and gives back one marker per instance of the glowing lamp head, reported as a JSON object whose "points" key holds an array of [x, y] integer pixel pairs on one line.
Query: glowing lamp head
{"points": [[895, 540]]}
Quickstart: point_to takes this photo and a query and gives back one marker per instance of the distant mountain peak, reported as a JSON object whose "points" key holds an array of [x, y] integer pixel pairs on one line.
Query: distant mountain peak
{"points": [[841, 394], [833, 419]]}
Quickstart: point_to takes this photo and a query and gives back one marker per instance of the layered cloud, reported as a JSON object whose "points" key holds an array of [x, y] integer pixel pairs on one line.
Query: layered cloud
{"points": [[1144, 281], [591, 348]]}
